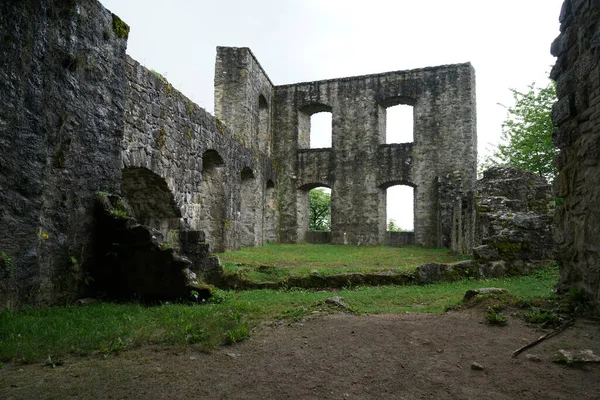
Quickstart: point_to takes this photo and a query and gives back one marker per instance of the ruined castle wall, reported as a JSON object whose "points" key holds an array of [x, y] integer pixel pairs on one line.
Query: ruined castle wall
{"points": [[577, 114], [168, 134], [244, 97], [360, 165], [61, 127]]}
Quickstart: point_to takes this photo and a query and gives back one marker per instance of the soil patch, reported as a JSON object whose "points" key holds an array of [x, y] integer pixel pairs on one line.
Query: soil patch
{"points": [[337, 356]]}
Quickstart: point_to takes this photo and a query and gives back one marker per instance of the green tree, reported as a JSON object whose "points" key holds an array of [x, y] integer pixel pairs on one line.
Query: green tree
{"points": [[527, 133], [320, 210], [392, 227]]}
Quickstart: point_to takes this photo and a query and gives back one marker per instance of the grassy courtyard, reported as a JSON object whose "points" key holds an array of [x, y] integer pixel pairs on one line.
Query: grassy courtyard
{"points": [[47, 335], [278, 262]]}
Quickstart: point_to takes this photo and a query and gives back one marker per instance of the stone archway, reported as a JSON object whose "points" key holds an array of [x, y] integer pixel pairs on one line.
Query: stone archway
{"points": [[151, 199], [250, 212], [212, 200], [270, 214]]}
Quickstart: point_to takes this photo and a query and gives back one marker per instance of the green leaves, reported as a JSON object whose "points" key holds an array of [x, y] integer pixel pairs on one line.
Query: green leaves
{"points": [[320, 210], [527, 133]]}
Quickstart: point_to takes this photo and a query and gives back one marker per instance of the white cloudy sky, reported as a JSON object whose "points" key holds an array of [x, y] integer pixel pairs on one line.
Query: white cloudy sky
{"points": [[507, 42]]}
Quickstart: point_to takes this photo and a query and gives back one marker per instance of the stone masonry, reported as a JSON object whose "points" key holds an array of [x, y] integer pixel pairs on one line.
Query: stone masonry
{"points": [[577, 115], [359, 166], [78, 117], [62, 99]]}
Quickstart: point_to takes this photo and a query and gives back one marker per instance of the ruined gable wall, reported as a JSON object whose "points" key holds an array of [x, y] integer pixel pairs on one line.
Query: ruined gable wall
{"points": [[577, 114], [359, 166], [61, 127], [240, 81]]}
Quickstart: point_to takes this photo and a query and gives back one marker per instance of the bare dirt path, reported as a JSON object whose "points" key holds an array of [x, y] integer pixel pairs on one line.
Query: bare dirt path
{"points": [[338, 356]]}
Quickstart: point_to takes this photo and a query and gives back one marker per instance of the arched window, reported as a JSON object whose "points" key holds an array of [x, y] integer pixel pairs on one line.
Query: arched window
{"points": [[250, 214], [212, 195], [315, 127], [400, 215], [270, 214], [320, 130], [397, 121], [264, 125], [313, 209]]}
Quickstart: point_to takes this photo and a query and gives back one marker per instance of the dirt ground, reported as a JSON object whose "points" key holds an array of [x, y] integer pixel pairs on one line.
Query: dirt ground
{"points": [[336, 356]]}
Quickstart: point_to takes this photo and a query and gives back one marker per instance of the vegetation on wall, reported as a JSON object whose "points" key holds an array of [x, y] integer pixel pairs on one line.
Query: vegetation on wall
{"points": [[120, 28]]}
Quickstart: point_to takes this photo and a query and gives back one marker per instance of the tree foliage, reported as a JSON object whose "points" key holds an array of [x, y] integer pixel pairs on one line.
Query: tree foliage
{"points": [[527, 133], [320, 210], [393, 227]]}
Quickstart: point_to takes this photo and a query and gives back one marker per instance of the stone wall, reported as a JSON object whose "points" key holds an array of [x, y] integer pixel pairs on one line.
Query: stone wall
{"points": [[61, 128], [244, 97], [505, 221], [513, 227], [79, 117], [577, 115], [201, 162], [359, 166]]}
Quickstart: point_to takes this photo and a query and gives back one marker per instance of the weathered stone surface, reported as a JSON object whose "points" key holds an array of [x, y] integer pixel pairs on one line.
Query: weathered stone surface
{"points": [[337, 301], [135, 261], [511, 231], [576, 357], [399, 239], [476, 366], [359, 166], [577, 220], [533, 357], [434, 272], [61, 127], [217, 181], [78, 116], [475, 292], [485, 253]]}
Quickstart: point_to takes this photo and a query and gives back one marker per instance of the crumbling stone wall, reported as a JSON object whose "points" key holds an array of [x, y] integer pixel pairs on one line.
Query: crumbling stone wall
{"points": [[359, 166], [200, 160], [513, 229], [577, 115], [79, 117], [61, 127]]}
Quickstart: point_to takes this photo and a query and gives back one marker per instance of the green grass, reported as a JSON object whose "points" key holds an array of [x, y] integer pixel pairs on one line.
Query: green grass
{"points": [[277, 262], [35, 335]]}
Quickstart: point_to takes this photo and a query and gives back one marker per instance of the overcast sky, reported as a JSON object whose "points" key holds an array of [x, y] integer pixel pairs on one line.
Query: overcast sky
{"points": [[508, 43]]}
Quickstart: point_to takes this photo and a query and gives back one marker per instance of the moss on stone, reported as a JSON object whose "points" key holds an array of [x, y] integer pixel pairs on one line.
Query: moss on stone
{"points": [[161, 139], [120, 28], [220, 126], [508, 249]]}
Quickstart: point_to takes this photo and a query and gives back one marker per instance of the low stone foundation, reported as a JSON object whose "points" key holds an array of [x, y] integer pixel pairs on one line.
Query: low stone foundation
{"points": [[399, 239], [317, 237]]}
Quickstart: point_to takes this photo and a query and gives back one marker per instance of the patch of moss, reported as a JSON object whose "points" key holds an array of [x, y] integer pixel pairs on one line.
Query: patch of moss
{"points": [[59, 158], [120, 28], [161, 139], [189, 133], [508, 249], [220, 126], [158, 75]]}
